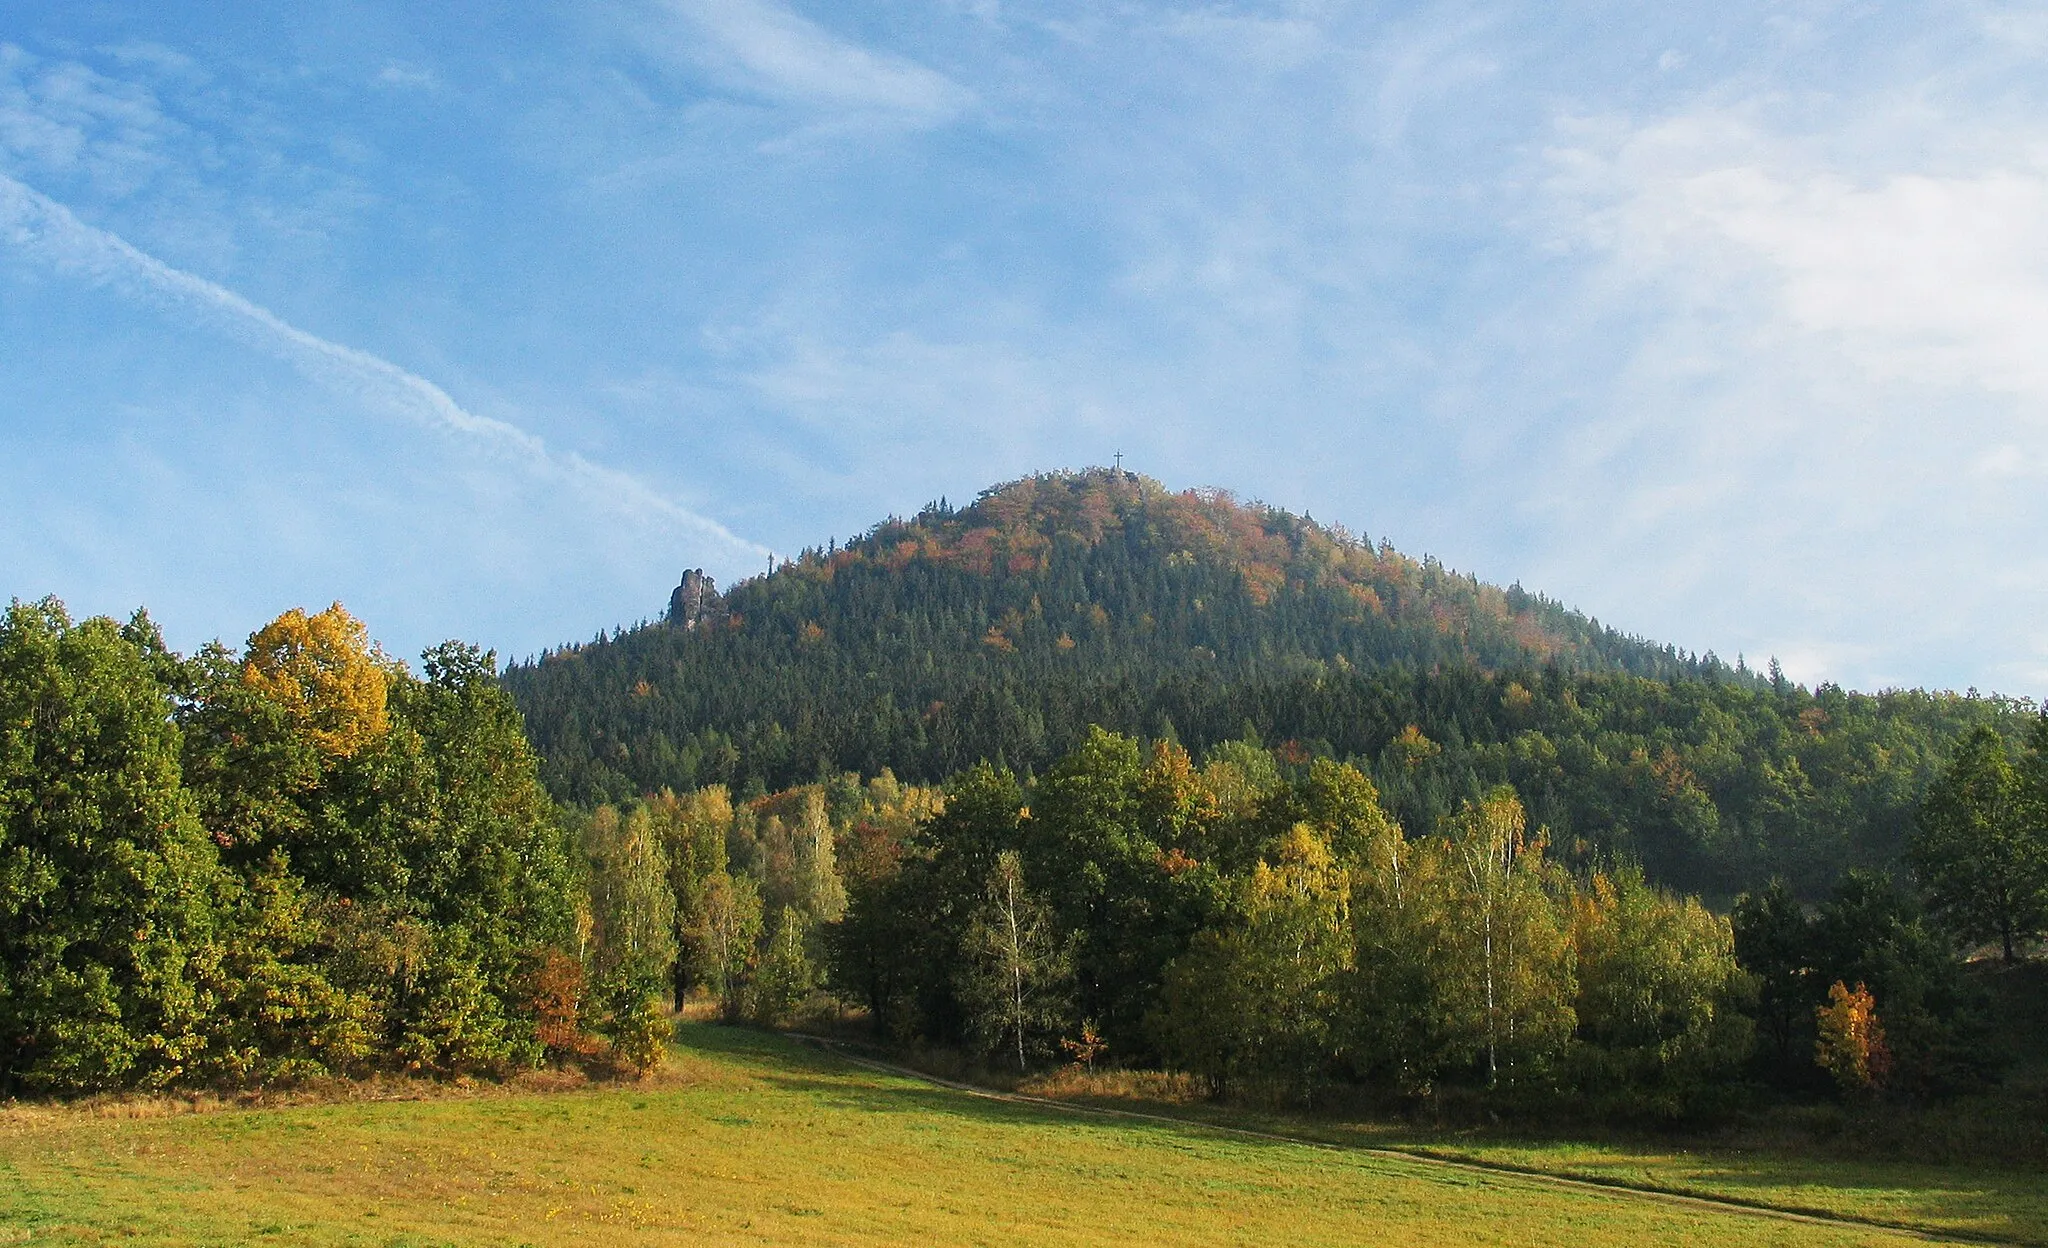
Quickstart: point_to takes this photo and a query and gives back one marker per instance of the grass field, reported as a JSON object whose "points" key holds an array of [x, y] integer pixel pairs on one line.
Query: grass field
{"points": [[2002, 1202], [755, 1140]]}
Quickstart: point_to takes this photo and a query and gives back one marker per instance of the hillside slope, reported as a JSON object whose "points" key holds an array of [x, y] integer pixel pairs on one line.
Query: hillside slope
{"points": [[1003, 629]]}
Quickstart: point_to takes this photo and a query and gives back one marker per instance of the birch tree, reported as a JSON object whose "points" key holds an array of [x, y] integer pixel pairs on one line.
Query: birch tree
{"points": [[1016, 975], [1517, 958]]}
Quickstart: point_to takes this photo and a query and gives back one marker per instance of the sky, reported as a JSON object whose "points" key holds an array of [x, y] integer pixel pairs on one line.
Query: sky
{"points": [[1725, 323]]}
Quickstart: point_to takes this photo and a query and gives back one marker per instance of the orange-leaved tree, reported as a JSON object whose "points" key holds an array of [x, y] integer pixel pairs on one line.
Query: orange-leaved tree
{"points": [[1851, 1045]]}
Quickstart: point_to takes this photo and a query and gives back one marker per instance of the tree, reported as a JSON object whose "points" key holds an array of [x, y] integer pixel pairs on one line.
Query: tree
{"points": [[691, 830], [1398, 1019], [1176, 810], [1341, 803], [108, 886], [1872, 931], [815, 886], [633, 919], [248, 868], [1981, 847], [1203, 1023], [1129, 903], [1851, 1045], [323, 671], [1261, 995], [1015, 973], [1512, 955], [280, 1011], [727, 929], [1660, 1001], [937, 890], [1774, 943], [785, 977], [494, 859], [1295, 949]]}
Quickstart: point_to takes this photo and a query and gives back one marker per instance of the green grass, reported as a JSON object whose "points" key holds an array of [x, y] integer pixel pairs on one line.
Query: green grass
{"points": [[1993, 1202], [754, 1140], [2002, 1201]]}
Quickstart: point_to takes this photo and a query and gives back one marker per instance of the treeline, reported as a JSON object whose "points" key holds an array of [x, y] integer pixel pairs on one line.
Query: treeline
{"points": [[739, 901], [1255, 918], [293, 861], [1004, 630], [1262, 918]]}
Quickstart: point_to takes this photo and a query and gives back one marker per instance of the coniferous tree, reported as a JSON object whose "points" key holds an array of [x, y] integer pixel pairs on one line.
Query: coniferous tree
{"points": [[1774, 943]]}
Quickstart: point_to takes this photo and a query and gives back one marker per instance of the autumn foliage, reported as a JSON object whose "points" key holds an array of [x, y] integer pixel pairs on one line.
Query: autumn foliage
{"points": [[1851, 1045], [1006, 628], [322, 670]]}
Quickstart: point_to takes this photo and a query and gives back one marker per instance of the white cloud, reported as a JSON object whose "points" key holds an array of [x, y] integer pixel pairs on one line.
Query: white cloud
{"points": [[34, 224], [1916, 276], [766, 47], [1832, 392]]}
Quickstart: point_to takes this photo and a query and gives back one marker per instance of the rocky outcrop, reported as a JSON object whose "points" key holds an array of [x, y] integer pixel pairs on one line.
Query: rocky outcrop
{"points": [[695, 601]]}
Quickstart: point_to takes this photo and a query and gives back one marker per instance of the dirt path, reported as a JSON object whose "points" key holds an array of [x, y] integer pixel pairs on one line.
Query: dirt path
{"points": [[1596, 1186]]}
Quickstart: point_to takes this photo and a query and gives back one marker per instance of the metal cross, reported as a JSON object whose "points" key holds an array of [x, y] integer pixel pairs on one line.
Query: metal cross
{"points": [[1119, 461]]}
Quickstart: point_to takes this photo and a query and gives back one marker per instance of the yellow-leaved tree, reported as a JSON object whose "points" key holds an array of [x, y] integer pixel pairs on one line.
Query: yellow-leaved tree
{"points": [[1851, 1045], [324, 672]]}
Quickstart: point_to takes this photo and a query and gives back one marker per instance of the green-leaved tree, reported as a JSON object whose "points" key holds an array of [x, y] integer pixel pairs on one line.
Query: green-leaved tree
{"points": [[1981, 846]]}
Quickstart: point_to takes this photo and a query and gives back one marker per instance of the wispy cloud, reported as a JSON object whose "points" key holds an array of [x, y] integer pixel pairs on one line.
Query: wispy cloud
{"points": [[1930, 274], [62, 119], [396, 74], [35, 224], [766, 47]]}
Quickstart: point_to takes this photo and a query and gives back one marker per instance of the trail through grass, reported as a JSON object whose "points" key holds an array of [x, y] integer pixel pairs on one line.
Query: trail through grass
{"points": [[762, 1142]]}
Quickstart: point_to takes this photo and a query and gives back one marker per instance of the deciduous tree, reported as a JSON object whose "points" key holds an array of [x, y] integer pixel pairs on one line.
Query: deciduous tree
{"points": [[1981, 847], [1016, 973]]}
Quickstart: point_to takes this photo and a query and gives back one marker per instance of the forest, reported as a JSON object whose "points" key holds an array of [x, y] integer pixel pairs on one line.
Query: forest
{"points": [[1004, 630]]}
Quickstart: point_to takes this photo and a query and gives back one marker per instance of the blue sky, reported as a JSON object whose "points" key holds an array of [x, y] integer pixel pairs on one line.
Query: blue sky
{"points": [[1726, 323]]}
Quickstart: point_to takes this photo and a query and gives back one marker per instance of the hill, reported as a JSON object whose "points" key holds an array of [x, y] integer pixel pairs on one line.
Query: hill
{"points": [[914, 645], [1001, 630]]}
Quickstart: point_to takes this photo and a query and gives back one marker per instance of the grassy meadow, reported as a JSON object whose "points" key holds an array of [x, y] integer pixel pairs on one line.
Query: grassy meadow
{"points": [[2003, 1201], [753, 1139]]}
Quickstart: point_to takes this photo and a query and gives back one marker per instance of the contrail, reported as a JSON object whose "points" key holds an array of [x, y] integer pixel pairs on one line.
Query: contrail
{"points": [[34, 222]]}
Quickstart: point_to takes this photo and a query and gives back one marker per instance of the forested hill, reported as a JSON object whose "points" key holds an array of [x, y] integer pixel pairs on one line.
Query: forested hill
{"points": [[1001, 630]]}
